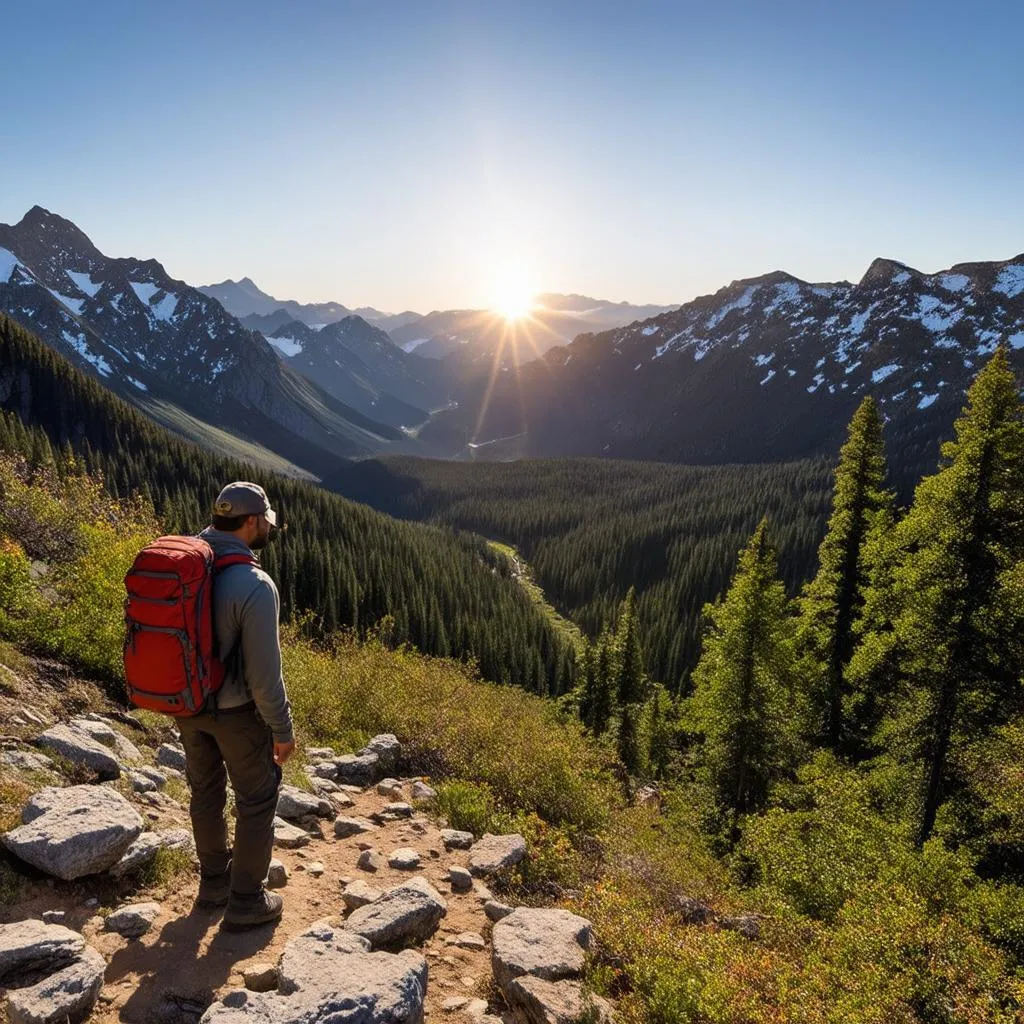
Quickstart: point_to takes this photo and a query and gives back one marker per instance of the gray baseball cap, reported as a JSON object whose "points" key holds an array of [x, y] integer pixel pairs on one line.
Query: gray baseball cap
{"points": [[244, 499]]}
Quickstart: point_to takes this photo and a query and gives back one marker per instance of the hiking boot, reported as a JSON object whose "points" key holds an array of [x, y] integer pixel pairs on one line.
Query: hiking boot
{"points": [[214, 890], [251, 910]]}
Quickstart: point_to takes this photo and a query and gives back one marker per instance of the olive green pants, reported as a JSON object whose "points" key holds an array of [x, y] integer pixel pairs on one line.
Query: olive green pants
{"points": [[235, 745]]}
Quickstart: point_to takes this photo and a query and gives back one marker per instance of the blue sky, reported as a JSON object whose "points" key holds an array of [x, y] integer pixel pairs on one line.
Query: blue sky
{"points": [[423, 154]]}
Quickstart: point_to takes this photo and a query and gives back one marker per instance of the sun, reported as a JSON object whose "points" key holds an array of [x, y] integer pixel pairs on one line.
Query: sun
{"points": [[512, 297]]}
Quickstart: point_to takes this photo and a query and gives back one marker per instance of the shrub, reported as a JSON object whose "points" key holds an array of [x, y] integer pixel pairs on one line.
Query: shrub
{"points": [[468, 806]]}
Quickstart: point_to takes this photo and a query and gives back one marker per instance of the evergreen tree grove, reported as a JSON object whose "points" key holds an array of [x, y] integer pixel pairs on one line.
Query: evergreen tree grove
{"points": [[743, 701], [833, 600]]}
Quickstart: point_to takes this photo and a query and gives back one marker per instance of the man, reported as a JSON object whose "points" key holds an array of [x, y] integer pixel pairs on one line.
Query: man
{"points": [[247, 734]]}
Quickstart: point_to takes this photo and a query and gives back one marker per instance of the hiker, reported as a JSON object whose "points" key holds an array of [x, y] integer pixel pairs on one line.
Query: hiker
{"points": [[247, 734]]}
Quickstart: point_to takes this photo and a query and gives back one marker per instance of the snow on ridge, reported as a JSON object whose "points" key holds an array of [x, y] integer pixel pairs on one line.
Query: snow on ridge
{"points": [[761, 359], [1010, 280], [146, 290], [286, 346], [882, 372], [72, 304], [8, 264], [77, 342], [787, 293], [771, 373], [1016, 340], [741, 303], [648, 331], [935, 315], [137, 383], [84, 283], [953, 282], [411, 346]]}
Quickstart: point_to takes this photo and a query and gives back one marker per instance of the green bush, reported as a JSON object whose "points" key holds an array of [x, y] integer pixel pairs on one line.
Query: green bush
{"points": [[468, 806]]}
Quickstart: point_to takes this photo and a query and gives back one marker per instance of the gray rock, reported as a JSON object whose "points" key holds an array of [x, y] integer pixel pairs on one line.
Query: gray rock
{"points": [[80, 749], [96, 729], [467, 940], [455, 840], [748, 925], [453, 1003], [30, 946], [55, 916], [395, 811], [341, 801], [69, 994], [320, 753], [493, 854], [356, 769], [370, 860], [288, 836], [125, 749], [260, 977], [391, 788], [26, 760], [141, 783], [315, 868], [295, 803], [421, 791], [387, 750], [325, 770], [171, 755], [74, 831], [353, 988], [549, 944], [140, 853], [496, 910], [322, 785], [277, 876], [318, 949], [408, 913], [345, 827], [359, 894], [461, 880], [536, 1001], [133, 919], [155, 775], [405, 858]]}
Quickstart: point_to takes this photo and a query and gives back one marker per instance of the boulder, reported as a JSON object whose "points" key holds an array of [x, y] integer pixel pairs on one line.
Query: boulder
{"points": [[549, 944], [493, 854], [410, 912], [296, 803], [356, 769], [26, 760], [324, 770], [31, 946], [455, 840], [358, 894], [461, 880], [140, 853], [141, 783], [387, 750], [96, 729], [316, 950], [349, 988], [80, 749], [171, 755], [155, 775], [288, 836], [67, 995], [345, 827], [536, 1001], [74, 831], [421, 791], [320, 753], [405, 858], [133, 919]]}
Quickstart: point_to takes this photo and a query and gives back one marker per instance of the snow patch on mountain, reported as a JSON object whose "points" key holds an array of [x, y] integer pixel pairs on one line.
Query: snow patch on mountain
{"points": [[953, 282], [1010, 280], [8, 264], [78, 343], [84, 283], [146, 291], [882, 372], [72, 304], [740, 303], [286, 346]]}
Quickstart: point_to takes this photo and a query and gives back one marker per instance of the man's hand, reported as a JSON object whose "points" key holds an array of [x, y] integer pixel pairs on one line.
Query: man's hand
{"points": [[282, 751]]}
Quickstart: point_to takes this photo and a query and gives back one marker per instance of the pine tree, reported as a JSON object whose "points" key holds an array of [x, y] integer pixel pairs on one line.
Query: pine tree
{"points": [[833, 600], [628, 743], [743, 701], [629, 684], [957, 638], [604, 695], [588, 685]]}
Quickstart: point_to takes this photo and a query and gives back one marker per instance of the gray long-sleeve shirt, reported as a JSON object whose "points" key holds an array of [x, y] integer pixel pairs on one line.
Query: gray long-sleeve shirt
{"points": [[246, 608]]}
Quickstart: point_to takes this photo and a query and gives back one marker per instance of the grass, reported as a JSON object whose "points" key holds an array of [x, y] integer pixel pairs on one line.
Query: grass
{"points": [[165, 867]]}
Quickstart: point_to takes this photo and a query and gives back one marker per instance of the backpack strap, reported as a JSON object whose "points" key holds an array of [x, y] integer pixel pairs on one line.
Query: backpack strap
{"points": [[219, 565]]}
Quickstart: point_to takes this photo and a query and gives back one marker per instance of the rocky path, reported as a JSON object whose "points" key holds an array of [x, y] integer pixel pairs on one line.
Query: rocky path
{"points": [[383, 907]]}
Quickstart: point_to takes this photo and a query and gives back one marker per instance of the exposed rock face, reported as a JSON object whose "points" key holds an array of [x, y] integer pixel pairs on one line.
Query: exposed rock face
{"points": [[326, 975], [387, 749], [25, 760], [408, 913], [74, 831], [80, 749], [493, 854]]}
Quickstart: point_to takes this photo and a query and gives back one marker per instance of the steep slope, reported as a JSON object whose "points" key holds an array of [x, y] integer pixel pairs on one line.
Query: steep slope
{"points": [[155, 341], [358, 364], [765, 369]]}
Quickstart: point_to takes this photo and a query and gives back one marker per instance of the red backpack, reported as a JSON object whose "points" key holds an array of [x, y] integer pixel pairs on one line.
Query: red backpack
{"points": [[170, 651]]}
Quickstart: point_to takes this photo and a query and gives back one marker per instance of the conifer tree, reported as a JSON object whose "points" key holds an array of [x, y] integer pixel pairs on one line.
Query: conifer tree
{"points": [[956, 638], [833, 600], [743, 694], [588, 684], [604, 697], [628, 740], [628, 657]]}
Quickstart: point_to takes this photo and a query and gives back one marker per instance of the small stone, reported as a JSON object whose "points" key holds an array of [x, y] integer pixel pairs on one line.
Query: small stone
{"points": [[394, 811], [133, 920], [358, 894], [320, 753], [386, 749], [157, 777], [496, 910], [294, 803], [171, 755], [260, 977], [92, 901], [30, 946], [341, 801], [345, 827], [468, 981], [54, 916], [277, 876], [390, 788], [316, 869], [410, 912], [288, 836], [405, 859], [461, 880], [493, 854], [453, 1003], [467, 940], [141, 783], [370, 860], [455, 840], [141, 852], [357, 769], [421, 791]]}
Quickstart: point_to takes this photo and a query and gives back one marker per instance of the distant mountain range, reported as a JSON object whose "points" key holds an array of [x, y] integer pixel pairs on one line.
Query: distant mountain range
{"points": [[766, 368], [171, 350]]}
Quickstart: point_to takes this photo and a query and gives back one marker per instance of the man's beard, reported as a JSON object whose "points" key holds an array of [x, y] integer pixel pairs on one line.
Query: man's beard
{"points": [[260, 542]]}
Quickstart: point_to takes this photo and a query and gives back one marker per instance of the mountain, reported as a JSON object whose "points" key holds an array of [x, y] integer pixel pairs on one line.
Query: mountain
{"points": [[554, 320], [765, 369], [359, 365], [169, 349], [244, 299]]}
